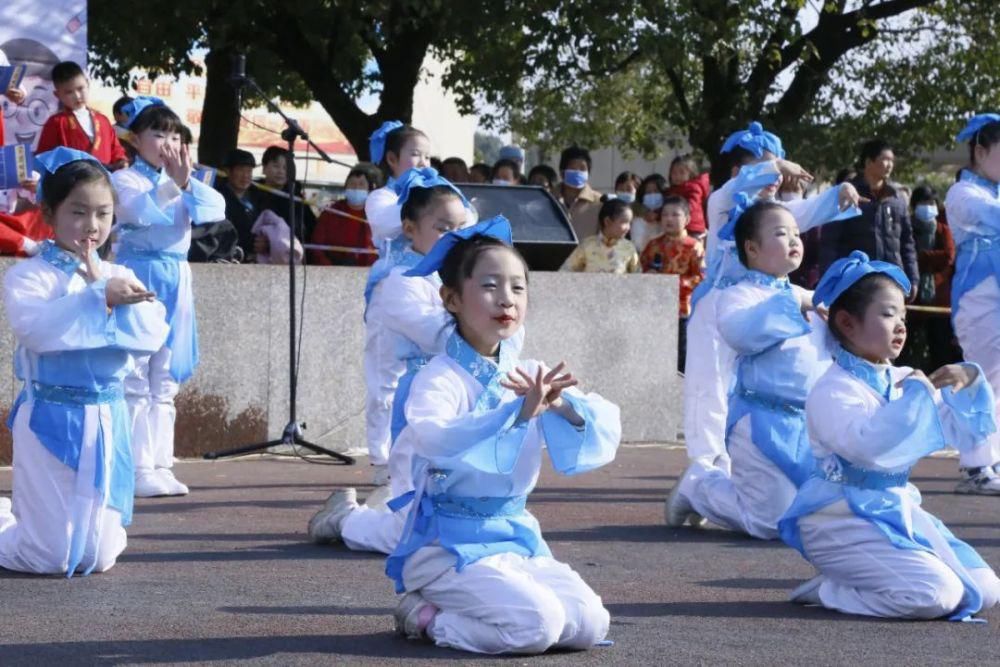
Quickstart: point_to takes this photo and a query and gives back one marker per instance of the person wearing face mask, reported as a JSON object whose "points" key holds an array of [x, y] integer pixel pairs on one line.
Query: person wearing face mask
{"points": [[646, 225], [505, 172], [626, 186], [581, 202], [344, 224]]}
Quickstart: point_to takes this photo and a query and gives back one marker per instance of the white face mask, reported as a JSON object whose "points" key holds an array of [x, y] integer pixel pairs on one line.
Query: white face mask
{"points": [[500, 181], [926, 212], [627, 197]]}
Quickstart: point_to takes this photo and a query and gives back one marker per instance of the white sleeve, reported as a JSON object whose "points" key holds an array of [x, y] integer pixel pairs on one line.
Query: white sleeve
{"points": [[382, 210], [412, 309]]}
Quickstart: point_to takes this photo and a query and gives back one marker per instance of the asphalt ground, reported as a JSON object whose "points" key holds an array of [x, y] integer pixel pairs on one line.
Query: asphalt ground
{"points": [[226, 576]]}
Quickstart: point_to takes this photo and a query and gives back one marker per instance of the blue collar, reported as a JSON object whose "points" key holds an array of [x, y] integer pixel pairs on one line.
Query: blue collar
{"points": [[147, 170], [484, 370], [866, 371], [765, 280], [61, 259], [972, 177]]}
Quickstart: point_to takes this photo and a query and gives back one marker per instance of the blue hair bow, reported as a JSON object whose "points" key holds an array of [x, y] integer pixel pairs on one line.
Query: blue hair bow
{"points": [[138, 105], [742, 202], [756, 140], [497, 227], [49, 163], [423, 177], [848, 270], [975, 124], [376, 142]]}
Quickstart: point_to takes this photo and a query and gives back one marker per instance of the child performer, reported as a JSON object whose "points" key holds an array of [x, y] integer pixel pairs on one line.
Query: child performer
{"points": [[158, 201], [782, 352], [78, 322], [857, 519], [477, 573], [396, 148], [405, 325], [608, 251], [973, 208]]}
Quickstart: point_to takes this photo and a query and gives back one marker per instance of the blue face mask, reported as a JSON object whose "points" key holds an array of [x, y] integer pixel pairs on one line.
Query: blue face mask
{"points": [[627, 197], [926, 212], [575, 178], [500, 181], [652, 200], [356, 197]]}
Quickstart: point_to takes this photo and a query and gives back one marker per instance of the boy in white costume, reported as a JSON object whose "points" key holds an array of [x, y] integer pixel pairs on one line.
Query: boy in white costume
{"points": [[78, 322]]}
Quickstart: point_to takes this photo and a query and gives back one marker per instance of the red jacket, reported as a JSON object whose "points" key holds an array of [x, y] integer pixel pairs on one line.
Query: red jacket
{"points": [[340, 230], [62, 129], [15, 228], [696, 192]]}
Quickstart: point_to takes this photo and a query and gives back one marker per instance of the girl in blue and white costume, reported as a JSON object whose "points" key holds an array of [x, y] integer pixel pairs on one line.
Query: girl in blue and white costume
{"points": [[78, 322], [158, 201], [858, 520], [783, 349], [710, 364], [973, 207], [476, 572]]}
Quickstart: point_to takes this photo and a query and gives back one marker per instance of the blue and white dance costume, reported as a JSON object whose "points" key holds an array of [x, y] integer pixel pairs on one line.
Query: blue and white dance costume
{"points": [[470, 547], [407, 310], [710, 365], [858, 520], [154, 219], [973, 208], [781, 354], [73, 474]]}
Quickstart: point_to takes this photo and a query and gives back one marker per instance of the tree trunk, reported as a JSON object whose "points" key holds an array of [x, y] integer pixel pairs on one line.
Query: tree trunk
{"points": [[220, 113]]}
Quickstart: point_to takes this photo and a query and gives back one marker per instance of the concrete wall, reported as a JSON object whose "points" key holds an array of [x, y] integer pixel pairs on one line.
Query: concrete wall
{"points": [[617, 333]]}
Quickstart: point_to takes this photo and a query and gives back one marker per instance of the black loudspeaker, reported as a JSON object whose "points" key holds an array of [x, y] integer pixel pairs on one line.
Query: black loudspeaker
{"points": [[542, 232]]}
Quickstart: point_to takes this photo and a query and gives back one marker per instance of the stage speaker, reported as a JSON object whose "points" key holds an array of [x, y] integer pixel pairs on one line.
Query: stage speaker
{"points": [[542, 232]]}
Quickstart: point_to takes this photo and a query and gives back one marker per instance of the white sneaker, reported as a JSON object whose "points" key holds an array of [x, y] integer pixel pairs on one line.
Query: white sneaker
{"points": [[379, 498], [148, 484], [982, 481], [326, 525], [174, 486], [413, 614], [807, 592], [380, 475], [678, 509]]}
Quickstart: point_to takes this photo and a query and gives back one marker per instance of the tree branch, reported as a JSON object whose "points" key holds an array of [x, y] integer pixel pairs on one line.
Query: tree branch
{"points": [[677, 85]]}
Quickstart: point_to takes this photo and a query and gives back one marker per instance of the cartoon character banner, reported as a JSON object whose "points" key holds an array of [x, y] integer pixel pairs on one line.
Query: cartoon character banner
{"points": [[38, 35]]}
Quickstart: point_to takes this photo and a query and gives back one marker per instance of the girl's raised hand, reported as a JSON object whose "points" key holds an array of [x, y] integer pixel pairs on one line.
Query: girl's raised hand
{"points": [[540, 392], [177, 164], [85, 251], [955, 376]]}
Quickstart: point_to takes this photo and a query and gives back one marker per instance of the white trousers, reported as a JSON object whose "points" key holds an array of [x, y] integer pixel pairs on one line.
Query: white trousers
{"points": [[751, 499], [149, 391], [977, 326], [52, 503], [380, 389], [865, 574], [370, 529], [508, 603], [710, 366]]}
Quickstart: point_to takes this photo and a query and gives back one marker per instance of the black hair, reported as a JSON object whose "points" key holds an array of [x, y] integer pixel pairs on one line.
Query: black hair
{"points": [[987, 136], [58, 186], [676, 200], [923, 193], [395, 140], [845, 174], [856, 299], [504, 162], [457, 161], [160, 118], [461, 260], [273, 154], [748, 225], [484, 170], [871, 149], [119, 103], [421, 198], [628, 177], [372, 172], [688, 161], [658, 179], [186, 137], [611, 208], [546, 171], [436, 163], [66, 71], [739, 156], [574, 153], [363, 173]]}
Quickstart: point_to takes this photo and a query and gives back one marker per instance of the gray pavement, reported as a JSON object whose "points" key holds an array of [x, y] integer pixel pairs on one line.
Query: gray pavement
{"points": [[225, 575]]}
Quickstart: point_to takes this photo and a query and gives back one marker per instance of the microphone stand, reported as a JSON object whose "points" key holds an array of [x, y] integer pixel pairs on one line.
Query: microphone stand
{"points": [[292, 433]]}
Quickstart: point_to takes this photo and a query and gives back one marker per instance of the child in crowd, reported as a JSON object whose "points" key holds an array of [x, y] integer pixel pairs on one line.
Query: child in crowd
{"points": [[646, 223], [455, 170], [476, 572], [608, 251], [973, 206], [782, 350], [505, 172], [546, 177], [675, 252], [78, 126], [626, 186], [857, 519], [343, 223], [158, 201], [686, 182], [480, 173], [78, 321], [405, 325], [580, 201]]}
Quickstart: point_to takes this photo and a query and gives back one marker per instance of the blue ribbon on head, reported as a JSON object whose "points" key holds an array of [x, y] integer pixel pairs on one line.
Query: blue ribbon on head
{"points": [[50, 162], [376, 142], [756, 140], [975, 124], [743, 202], [848, 270], [138, 105], [497, 227], [423, 177]]}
